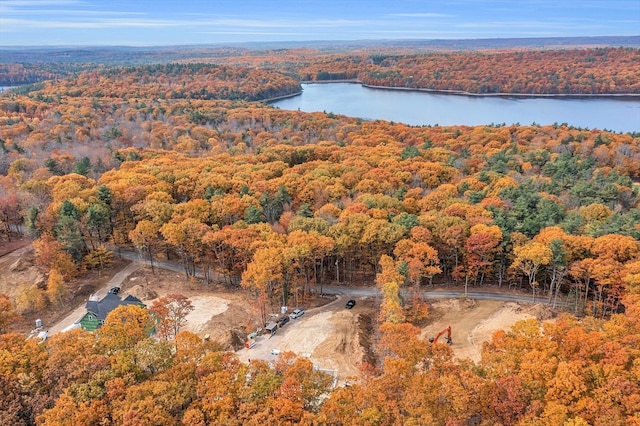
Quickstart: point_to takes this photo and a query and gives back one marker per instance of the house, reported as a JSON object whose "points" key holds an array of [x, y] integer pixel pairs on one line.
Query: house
{"points": [[97, 311]]}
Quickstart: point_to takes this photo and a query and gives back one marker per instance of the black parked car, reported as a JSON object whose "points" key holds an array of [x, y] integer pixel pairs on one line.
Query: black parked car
{"points": [[114, 290], [350, 304], [282, 321]]}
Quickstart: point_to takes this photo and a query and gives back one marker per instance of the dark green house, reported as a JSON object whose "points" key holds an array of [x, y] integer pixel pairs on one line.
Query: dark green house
{"points": [[97, 311]]}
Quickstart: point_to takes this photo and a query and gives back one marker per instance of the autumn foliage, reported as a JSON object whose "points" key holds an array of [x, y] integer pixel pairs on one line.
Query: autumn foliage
{"points": [[175, 161]]}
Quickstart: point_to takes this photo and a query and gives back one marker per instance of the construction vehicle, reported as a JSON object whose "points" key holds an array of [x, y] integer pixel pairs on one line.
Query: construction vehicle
{"points": [[446, 330]]}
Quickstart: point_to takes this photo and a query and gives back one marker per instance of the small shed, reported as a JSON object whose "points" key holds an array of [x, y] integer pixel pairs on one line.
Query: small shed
{"points": [[271, 328]]}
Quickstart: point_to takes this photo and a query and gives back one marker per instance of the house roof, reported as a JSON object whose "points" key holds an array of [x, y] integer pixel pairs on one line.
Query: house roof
{"points": [[111, 301]]}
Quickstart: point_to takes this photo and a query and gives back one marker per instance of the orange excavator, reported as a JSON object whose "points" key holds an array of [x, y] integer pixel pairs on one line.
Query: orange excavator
{"points": [[446, 330]]}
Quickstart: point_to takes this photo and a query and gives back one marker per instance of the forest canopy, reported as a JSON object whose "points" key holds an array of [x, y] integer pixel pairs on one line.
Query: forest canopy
{"points": [[176, 160]]}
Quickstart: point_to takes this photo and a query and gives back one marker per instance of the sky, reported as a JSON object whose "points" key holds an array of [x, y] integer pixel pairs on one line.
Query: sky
{"points": [[188, 22]]}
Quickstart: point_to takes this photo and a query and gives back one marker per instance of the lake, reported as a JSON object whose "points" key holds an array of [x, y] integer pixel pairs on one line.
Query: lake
{"points": [[420, 108]]}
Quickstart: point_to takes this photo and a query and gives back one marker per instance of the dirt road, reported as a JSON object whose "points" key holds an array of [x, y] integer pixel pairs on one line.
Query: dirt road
{"points": [[69, 321]]}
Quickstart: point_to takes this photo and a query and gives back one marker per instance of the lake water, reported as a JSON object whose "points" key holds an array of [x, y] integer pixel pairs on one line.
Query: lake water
{"points": [[420, 108]]}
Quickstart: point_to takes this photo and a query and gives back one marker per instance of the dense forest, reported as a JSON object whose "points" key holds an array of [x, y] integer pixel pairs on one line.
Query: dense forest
{"points": [[583, 71], [587, 71], [176, 161], [601, 71]]}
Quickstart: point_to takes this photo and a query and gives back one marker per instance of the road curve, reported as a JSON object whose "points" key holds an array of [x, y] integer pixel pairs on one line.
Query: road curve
{"points": [[370, 291]]}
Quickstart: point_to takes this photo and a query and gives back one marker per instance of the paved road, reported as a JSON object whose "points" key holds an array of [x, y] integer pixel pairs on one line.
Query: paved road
{"points": [[440, 294], [360, 291], [135, 256], [137, 262], [372, 291]]}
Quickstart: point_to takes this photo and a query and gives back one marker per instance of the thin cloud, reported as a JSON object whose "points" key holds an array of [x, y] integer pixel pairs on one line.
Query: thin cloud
{"points": [[33, 22], [23, 6], [67, 12], [420, 15], [115, 23], [28, 3], [523, 24], [262, 33], [146, 23]]}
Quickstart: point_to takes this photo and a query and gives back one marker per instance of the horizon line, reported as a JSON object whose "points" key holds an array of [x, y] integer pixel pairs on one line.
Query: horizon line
{"points": [[310, 41]]}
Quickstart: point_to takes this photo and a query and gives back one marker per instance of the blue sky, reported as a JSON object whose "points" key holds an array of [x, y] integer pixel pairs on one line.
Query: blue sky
{"points": [[176, 22]]}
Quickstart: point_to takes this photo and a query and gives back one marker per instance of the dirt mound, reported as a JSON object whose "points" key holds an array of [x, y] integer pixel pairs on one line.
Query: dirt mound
{"points": [[342, 341], [22, 264], [365, 337], [236, 340], [230, 339], [540, 311], [17, 268], [439, 307], [142, 292]]}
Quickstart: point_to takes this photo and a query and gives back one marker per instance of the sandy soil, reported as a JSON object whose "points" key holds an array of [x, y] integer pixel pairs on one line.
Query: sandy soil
{"points": [[18, 268], [328, 336], [205, 308], [474, 322]]}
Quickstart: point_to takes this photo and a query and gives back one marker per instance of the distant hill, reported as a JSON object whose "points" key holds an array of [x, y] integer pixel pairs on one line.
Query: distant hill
{"points": [[123, 55]]}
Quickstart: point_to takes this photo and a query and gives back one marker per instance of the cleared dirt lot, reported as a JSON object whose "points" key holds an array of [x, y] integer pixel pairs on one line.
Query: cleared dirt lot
{"points": [[474, 322], [332, 337], [329, 336]]}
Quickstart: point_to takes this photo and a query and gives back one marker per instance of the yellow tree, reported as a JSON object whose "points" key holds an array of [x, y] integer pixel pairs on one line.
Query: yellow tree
{"points": [[68, 411], [423, 261], [557, 240], [296, 256], [262, 275], [7, 313], [145, 236], [529, 258], [124, 327], [612, 252], [186, 237], [56, 289], [389, 281]]}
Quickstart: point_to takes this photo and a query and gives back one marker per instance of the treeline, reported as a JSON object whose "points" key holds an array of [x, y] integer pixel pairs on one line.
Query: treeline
{"points": [[578, 71], [530, 71], [18, 74]]}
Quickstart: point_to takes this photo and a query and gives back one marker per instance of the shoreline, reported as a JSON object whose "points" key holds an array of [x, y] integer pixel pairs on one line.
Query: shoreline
{"points": [[277, 98], [476, 95]]}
